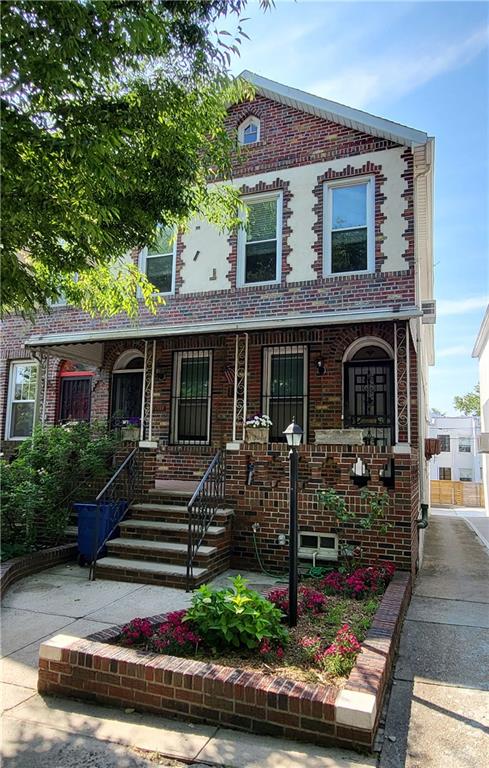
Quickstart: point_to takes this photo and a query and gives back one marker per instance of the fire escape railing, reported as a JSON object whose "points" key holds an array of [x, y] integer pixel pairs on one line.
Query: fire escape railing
{"points": [[201, 509], [112, 502]]}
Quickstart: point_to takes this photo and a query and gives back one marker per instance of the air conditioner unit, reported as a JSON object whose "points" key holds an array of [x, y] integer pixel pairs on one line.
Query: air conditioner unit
{"points": [[428, 308], [318, 546], [484, 442]]}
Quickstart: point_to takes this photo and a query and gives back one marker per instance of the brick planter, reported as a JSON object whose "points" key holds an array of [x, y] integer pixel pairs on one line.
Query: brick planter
{"points": [[209, 693], [19, 567]]}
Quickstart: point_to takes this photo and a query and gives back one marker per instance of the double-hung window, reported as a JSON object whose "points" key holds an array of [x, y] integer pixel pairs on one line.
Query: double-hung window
{"points": [[158, 260], [260, 241], [349, 227], [22, 400], [444, 441], [464, 445]]}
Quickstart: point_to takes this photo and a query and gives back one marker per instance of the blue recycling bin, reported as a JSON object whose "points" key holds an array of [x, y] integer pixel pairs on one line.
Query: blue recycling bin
{"points": [[110, 513]]}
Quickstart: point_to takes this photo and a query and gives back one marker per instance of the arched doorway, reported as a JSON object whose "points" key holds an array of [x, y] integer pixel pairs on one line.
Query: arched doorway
{"points": [[75, 392], [127, 387], [369, 390]]}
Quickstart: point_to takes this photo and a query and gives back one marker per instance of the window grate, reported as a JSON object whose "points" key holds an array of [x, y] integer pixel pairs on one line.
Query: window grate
{"points": [[192, 396], [285, 388]]}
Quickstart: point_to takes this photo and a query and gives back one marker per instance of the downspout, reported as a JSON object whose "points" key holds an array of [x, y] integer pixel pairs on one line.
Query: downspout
{"points": [[423, 523]]}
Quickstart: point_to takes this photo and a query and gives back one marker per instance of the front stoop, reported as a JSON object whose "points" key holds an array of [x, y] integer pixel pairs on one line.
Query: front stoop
{"points": [[152, 545]]}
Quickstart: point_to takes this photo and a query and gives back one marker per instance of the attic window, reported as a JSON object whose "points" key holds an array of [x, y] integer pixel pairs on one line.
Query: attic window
{"points": [[249, 131]]}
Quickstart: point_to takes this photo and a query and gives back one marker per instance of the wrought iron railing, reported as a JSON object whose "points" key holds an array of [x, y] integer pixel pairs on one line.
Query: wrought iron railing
{"points": [[202, 508], [112, 503]]}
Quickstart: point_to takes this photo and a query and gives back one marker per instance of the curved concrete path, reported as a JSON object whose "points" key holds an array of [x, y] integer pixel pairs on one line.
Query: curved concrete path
{"points": [[438, 714]]}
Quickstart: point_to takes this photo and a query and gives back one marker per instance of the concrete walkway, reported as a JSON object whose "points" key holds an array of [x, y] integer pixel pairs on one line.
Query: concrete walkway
{"points": [[63, 733], [438, 714]]}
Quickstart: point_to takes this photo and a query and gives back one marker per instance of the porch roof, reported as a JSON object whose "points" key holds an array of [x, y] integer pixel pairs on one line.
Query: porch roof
{"points": [[90, 342]]}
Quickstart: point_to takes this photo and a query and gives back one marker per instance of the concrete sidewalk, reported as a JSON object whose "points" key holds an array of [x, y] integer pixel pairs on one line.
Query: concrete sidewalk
{"points": [[63, 733], [438, 714]]}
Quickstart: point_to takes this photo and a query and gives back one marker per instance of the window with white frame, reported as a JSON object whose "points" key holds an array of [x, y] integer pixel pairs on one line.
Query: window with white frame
{"points": [[191, 397], [444, 441], [465, 475], [157, 261], [349, 238], [464, 445], [260, 241], [22, 400], [249, 131]]}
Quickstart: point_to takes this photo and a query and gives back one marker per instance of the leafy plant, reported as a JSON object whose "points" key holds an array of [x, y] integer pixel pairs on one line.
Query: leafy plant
{"points": [[308, 600], [377, 503], [37, 486], [332, 500], [235, 617]]}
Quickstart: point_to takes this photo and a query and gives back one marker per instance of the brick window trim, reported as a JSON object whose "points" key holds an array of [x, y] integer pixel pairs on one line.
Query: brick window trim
{"points": [[209, 693]]}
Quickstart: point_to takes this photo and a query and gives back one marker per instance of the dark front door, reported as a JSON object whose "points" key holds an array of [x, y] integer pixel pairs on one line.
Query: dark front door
{"points": [[74, 400], [127, 395], [369, 400]]}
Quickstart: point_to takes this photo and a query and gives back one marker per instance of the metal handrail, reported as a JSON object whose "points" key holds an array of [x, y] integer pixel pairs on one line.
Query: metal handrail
{"points": [[120, 502], [202, 507]]}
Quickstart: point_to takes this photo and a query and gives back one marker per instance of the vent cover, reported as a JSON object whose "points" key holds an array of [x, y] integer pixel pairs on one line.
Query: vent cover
{"points": [[428, 308]]}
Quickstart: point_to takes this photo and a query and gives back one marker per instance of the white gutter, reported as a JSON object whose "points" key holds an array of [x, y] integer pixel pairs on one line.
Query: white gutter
{"points": [[285, 321]]}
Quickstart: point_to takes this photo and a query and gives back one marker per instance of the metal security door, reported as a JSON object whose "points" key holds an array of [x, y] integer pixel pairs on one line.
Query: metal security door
{"points": [[369, 400]]}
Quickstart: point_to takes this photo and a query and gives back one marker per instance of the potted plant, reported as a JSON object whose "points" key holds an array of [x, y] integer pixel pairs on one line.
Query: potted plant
{"points": [[131, 429], [256, 429]]}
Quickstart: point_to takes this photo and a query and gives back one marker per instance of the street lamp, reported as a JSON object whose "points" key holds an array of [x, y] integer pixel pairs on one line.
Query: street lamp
{"points": [[293, 433]]}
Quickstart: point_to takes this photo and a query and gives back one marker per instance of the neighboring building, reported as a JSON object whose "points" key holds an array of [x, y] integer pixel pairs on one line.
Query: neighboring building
{"points": [[321, 310], [459, 458], [481, 350]]}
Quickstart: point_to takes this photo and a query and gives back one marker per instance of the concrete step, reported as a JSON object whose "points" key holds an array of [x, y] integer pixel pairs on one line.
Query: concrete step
{"points": [[171, 512], [157, 547], [141, 572], [163, 527]]}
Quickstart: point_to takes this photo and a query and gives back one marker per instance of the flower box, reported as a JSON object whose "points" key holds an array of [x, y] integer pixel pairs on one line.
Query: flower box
{"points": [[256, 434], [130, 433]]}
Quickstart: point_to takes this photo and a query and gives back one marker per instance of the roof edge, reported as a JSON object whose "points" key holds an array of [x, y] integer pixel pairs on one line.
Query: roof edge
{"points": [[482, 336], [332, 110]]}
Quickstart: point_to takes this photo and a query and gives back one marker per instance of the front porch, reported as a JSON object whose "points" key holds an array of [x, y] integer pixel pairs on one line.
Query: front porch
{"points": [[186, 400]]}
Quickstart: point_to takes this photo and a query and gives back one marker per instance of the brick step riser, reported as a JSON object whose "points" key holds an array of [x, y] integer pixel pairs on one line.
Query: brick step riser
{"points": [[170, 516], [142, 577]]}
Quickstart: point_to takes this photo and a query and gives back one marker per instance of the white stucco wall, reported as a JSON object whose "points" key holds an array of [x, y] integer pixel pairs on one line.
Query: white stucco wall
{"points": [[213, 246], [456, 427]]}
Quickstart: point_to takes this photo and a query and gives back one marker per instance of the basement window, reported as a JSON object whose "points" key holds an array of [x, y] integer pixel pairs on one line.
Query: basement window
{"points": [[318, 546]]}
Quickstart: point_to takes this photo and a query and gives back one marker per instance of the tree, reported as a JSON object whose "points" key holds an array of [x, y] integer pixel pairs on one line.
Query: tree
{"points": [[469, 404], [113, 117], [437, 412]]}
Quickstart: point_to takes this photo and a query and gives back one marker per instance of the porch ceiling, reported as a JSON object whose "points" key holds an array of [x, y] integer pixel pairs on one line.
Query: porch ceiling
{"points": [[93, 338], [85, 352]]}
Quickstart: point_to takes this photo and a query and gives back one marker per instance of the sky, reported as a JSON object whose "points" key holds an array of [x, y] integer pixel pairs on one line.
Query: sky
{"points": [[426, 65]]}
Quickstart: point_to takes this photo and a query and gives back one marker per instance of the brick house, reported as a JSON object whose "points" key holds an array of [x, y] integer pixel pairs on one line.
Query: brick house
{"points": [[321, 309]]}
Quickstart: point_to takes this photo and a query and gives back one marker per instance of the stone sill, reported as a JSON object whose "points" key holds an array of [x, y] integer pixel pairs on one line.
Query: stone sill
{"points": [[210, 693]]}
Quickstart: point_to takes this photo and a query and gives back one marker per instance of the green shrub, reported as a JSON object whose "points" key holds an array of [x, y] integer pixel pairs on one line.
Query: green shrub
{"points": [[38, 485], [236, 617]]}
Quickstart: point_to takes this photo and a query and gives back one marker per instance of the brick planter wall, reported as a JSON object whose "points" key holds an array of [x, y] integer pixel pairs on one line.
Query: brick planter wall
{"points": [[209, 693], [19, 567]]}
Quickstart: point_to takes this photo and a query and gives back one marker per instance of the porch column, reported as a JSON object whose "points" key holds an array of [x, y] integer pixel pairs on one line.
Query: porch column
{"points": [[43, 359], [402, 384], [240, 385], [146, 436]]}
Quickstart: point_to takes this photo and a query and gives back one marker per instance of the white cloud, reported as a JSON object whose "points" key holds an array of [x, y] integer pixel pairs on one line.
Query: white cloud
{"points": [[457, 351], [394, 74], [446, 307]]}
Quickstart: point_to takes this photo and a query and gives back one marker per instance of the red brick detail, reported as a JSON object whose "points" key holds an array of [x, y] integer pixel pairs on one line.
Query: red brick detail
{"points": [[277, 185], [368, 169]]}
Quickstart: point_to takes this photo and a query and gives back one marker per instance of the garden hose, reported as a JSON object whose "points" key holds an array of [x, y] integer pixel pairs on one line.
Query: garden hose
{"points": [[281, 579]]}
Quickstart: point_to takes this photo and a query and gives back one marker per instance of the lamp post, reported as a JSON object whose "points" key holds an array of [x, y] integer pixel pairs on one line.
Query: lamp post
{"points": [[293, 433]]}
